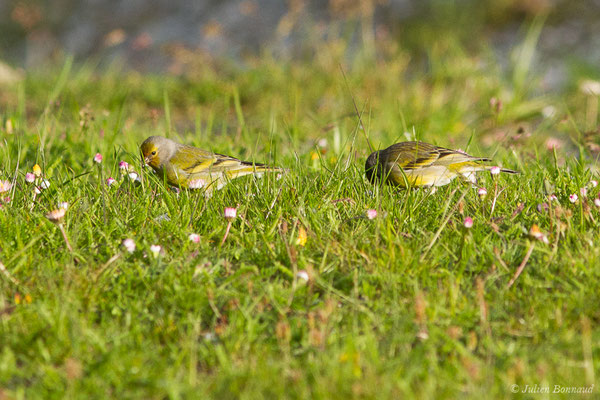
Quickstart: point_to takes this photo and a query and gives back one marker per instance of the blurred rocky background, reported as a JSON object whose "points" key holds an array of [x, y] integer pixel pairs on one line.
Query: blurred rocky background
{"points": [[163, 35]]}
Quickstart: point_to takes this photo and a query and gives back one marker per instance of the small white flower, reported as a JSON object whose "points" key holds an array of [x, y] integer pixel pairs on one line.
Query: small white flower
{"points": [[64, 205], [302, 275], [29, 177], [552, 197], [583, 192], [45, 184], [495, 170], [573, 198], [134, 177], [482, 192], [129, 245], [230, 213], [597, 202], [468, 223], [322, 143], [593, 183], [194, 237], [590, 87], [155, 250], [549, 111], [98, 158]]}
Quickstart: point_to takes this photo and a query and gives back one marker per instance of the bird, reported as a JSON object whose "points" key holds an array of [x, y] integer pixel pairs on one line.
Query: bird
{"points": [[420, 164], [193, 168]]}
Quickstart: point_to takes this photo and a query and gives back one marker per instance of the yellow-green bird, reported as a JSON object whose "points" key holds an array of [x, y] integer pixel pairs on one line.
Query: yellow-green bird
{"points": [[423, 164], [189, 167]]}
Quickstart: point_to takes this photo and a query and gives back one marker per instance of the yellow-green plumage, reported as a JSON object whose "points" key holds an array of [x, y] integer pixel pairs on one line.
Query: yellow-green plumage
{"points": [[189, 167], [422, 164]]}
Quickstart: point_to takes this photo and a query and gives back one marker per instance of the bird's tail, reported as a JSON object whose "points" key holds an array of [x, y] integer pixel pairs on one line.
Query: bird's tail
{"points": [[476, 166], [247, 168], [508, 171], [469, 169]]}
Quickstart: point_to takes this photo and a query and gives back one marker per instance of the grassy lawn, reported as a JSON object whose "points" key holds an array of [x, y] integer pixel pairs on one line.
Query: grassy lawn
{"points": [[409, 304]]}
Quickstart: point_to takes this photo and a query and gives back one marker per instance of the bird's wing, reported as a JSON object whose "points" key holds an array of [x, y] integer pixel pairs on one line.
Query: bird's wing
{"points": [[410, 155], [211, 170], [202, 159]]}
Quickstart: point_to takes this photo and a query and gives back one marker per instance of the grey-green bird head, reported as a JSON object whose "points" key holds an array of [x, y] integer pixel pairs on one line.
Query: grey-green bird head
{"points": [[372, 167], [158, 150]]}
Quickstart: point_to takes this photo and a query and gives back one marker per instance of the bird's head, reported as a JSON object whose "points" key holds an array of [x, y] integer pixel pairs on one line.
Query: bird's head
{"points": [[372, 167], [157, 150]]}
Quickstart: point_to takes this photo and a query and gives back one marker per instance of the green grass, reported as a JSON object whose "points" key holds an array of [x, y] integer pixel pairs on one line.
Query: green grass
{"points": [[408, 305]]}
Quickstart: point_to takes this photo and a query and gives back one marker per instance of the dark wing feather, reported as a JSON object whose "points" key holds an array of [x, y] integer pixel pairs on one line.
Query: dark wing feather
{"points": [[410, 155]]}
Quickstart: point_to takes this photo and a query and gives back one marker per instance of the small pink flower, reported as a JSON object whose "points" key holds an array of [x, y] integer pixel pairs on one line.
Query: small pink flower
{"points": [[5, 186], [553, 143], [495, 170], [110, 181], [597, 202], [194, 237], [496, 104], [371, 214], [593, 183], [573, 198], [129, 245], [303, 275], [155, 250], [57, 215], [98, 158], [123, 166], [468, 223], [583, 192], [29, 177], [6, 200], [482, 192], [230, 213], [552, 197]]}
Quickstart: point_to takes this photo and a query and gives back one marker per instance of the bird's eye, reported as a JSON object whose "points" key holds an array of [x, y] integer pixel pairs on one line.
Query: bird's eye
{"points": [[153, 153]]}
